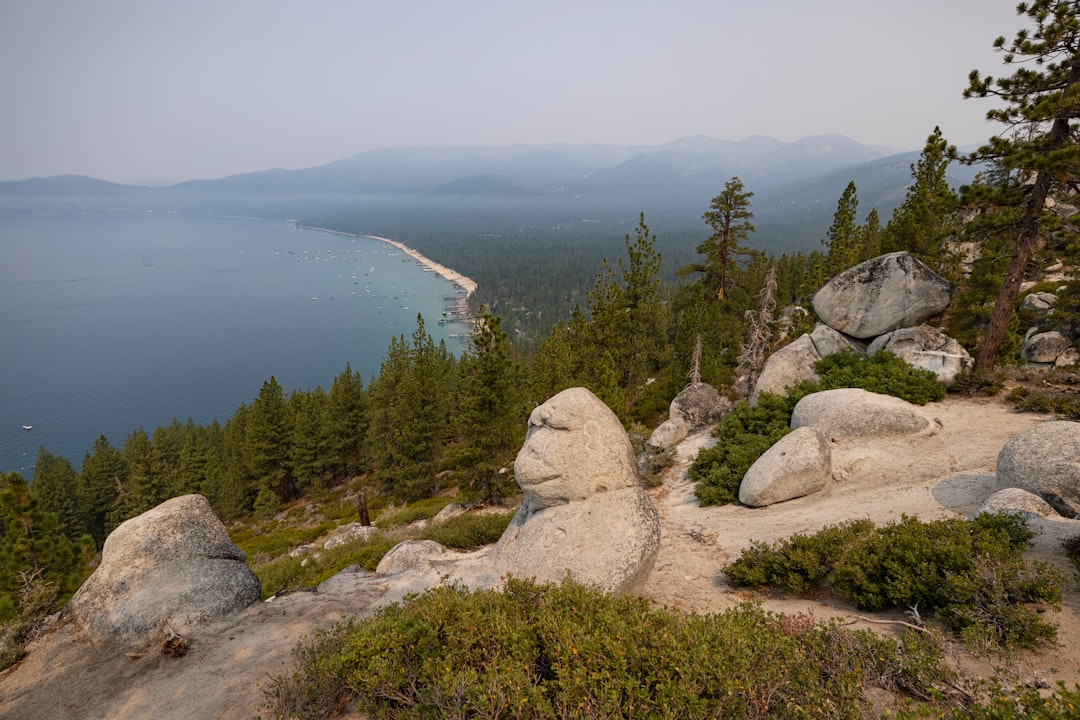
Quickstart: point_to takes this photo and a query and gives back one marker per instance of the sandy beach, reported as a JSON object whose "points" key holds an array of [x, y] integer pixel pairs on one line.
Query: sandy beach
{"points": [[465, 283]]}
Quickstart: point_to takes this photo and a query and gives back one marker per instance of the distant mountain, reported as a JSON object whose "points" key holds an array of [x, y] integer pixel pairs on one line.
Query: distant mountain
{"points": [[796, 186]]}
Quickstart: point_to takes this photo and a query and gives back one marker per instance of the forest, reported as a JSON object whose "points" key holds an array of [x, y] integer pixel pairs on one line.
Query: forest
{"points": [[632, 317]]}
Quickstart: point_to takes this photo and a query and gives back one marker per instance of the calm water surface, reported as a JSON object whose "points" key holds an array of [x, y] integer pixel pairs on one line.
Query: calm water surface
{"points": [[112, 322]]}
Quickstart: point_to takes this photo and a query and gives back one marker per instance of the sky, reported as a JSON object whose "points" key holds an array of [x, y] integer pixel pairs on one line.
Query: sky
{"points": [[127, 90]]}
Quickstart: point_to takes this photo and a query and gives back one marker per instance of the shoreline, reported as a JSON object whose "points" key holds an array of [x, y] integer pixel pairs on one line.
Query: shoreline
{"points": [[463, 283]]}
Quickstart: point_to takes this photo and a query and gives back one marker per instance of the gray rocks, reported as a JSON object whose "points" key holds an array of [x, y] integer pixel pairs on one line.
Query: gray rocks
{"points": [[584, 514], [1045, 460], [668, 434], [1015, 500], [1039, 304], [409, 554], [852, 413], [798, 464], [699, 405], [575, 448], [786, 367], [828, 341], [170, 569], [1045, 347], [925, 347], [882, 294], [348, 533]]}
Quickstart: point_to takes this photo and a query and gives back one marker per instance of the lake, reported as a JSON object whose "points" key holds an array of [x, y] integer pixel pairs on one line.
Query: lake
{"points": [[112, 322]]}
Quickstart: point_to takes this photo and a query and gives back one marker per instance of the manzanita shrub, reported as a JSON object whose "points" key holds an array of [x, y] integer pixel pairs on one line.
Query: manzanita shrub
{"points": [[544, 651], [970, 574]]}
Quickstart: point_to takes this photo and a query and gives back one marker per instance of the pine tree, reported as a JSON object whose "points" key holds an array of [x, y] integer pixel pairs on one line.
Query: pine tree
{"points": [[927, 220], [729, 217], [492, 418], [34, 550], [57, 490], [266, 441], [758, 337], [1041, 153], [842, 240], [104, 475], [348, 421]]}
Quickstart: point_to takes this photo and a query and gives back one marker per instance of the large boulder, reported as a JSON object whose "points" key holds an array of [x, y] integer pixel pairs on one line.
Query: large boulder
{"points": [[927, 348], [170, 569], [787, 367], [1045, 460], [855, 413], [409, 554], [1045, 347], [699, 405], [584, 513], [798, 464], [882, 294]]}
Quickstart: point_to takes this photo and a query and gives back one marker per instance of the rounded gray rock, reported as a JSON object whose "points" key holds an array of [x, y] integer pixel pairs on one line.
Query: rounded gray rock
{"points": [[882, 294], [1045, 460], [853, 413], [171, 568], [798, 464], [1015, 500]]}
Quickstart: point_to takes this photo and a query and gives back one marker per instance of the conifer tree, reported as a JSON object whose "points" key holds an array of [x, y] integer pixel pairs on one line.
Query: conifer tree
{"points": [[842, 240], [57, 490], [104, 474], [729, 217], [927, 219], [348, 421], [492, 417], [1040, 152], [266, 441], [34, 550]]}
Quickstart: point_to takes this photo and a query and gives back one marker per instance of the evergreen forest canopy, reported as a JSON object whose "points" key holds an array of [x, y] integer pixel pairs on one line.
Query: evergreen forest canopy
{"points": [[648, 319]]}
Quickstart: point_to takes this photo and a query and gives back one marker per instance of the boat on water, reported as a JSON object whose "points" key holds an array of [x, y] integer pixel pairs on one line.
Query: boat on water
{"points": [[27, 427]]}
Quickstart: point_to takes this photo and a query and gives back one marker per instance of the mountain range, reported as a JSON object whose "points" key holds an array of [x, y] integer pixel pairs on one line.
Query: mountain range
{"points": [[796, 184]]}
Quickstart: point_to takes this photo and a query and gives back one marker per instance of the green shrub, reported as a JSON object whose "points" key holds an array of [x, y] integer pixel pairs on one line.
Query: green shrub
{"points": [[468, 531], [800, 562], [542, 651], [883, 373], [747, 432], [418, 510], [970, 574], [1064, 405], [272, 540], [744, 435], [293, 573]]}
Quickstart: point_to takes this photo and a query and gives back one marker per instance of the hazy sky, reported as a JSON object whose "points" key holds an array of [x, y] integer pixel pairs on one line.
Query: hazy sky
{"points": [[126, 90]]}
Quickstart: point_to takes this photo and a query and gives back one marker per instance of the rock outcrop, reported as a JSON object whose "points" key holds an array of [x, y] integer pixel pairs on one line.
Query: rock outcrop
{"points": [[699, 405], [927, 348], [798, 464], [854, 413], [170, 569], [787, 367], [1045, 460], [1045, 347], [882, 294], [585, 513]]}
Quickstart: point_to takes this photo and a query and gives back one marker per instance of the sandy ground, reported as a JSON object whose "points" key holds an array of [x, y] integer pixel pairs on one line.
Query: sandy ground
{"points": [[946, 473]]}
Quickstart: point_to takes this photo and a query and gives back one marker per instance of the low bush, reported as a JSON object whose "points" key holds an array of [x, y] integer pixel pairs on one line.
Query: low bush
{"points": [[298, 573], [468, 531], [1064, 405], [418, 510], [542, 651], [970, 574], [748, 431]]}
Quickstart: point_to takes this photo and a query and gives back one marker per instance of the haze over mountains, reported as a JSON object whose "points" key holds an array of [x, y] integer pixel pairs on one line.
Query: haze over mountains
{"points": [[796, 185]]}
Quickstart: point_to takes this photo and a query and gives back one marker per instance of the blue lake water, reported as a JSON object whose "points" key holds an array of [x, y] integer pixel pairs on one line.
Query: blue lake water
{"points": [[112, 322]]}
